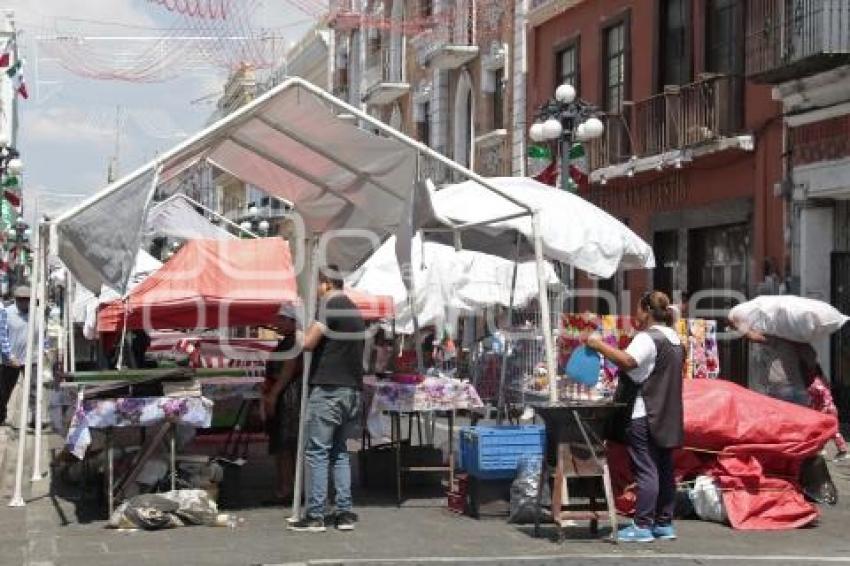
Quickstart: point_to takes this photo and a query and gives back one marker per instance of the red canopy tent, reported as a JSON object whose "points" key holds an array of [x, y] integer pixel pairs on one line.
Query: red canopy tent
{"points": [[219, 283]]}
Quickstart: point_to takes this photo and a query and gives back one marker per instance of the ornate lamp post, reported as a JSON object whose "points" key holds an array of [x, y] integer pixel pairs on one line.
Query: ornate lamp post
{"points": [[566, 119], [255, 224]]}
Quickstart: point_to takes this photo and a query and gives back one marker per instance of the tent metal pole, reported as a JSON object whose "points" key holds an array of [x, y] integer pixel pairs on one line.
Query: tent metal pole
{"points": [[545, 317], [72, 347], [500, 410], [41, 293], [17, 496], [309, 291], [67, 327]]}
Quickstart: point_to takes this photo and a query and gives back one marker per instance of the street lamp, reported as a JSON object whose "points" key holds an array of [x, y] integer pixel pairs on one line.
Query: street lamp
{"points": [[254, 224], [566, 119]]}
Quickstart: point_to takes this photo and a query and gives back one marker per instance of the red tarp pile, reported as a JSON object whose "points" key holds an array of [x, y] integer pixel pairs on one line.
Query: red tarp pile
{"points": [[219, 283], [752, 445]]}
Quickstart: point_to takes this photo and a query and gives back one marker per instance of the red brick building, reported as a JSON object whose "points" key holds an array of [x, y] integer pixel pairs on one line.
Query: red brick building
{"points": [[692, 154]]}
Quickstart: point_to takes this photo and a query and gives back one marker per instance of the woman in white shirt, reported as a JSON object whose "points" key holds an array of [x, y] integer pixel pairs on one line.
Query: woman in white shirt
{"points": [[651, 386]]}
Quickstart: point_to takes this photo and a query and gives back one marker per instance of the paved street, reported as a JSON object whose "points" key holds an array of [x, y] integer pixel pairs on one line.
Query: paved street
{"points": [[62, 526]]}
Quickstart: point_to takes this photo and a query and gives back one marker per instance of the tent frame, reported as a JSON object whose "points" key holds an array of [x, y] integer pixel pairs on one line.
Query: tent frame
{"points": [[244, 114]]}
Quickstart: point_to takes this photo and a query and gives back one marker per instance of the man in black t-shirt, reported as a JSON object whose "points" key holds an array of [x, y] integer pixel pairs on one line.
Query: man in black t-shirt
{"points": [[336, 378]]}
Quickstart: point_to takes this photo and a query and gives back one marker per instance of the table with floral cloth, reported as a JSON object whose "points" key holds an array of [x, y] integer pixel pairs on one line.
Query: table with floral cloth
{"points": [[134, 411], [431, 394]]}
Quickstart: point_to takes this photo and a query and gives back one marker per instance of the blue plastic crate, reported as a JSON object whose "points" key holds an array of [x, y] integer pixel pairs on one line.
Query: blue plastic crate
{"points": [[492, 452]]}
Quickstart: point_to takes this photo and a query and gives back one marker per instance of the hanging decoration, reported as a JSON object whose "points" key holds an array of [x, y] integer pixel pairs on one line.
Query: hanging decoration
{"points": [[16, 73], [578, 179], [204, 34], [539, 159]]}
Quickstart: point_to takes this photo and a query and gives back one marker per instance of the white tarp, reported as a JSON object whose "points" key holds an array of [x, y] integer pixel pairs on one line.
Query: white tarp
{"points": [[85, 303], [573, 230], [291, 144], [99, 242], [446, 282], [177, 218]]}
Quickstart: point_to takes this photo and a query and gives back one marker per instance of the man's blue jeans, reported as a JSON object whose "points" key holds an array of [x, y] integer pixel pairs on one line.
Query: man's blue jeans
{"points": [[333, 412]]}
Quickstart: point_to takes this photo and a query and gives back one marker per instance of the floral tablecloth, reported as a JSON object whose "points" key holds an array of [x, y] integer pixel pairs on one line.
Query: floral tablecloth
{"points": [[134, 411], [432, 394]]}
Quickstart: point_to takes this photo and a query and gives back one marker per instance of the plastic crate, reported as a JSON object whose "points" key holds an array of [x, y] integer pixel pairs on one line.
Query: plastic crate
{"points": [[492, 452]]}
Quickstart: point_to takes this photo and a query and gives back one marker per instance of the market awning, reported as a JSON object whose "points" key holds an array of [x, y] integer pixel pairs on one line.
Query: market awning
{"points": [[290, 143], [573, 230], [210, 284], [176, 217], [447, 282]]}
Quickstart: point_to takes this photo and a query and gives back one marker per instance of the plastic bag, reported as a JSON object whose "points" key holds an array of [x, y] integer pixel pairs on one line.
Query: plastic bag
{"points": [[794, 318], [707, 500], [166, 510], [524, 490]]}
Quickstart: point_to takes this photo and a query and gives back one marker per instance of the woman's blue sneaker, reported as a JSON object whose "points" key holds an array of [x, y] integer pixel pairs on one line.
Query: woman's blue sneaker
{"points": [[633, 533], [664, 532]]}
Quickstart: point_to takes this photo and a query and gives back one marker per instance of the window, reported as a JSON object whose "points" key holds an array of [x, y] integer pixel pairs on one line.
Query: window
{"points": [[566, 66], [675, 43], [666, 274], [426, 8], [499, 99], [724, 55], [615, 87], [423, 126], [724, 36], [615, 71]]}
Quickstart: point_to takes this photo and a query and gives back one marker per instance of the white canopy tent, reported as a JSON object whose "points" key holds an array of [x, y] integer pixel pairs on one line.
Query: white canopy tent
{"points": [[573, 230], [351, 189], [85, 303], [446, 282], [177, 217]]}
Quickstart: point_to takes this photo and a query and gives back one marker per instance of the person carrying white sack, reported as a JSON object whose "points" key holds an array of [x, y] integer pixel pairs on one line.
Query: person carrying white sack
{"points": [[780, 330]]}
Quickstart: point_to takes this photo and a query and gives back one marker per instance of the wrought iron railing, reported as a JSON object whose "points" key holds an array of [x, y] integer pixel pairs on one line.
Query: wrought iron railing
{"points": [[791, 38], [679, 117]]}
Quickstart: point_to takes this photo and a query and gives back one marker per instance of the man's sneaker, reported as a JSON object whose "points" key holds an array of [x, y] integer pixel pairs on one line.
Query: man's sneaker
{"points": [[664, 532], [633, 533], [841, 456], [345, 521], [307, 525]]}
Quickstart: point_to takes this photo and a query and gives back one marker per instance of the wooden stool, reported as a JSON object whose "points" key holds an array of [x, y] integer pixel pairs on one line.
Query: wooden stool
{"points": [[580, 460]]}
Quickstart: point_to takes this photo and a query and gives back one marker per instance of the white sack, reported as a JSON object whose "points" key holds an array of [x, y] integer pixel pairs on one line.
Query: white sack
{"points": [[794, 318], [707, 500]]}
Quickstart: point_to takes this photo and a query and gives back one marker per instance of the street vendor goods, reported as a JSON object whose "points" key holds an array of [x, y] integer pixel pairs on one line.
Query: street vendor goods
{"points": [[799, 319]]}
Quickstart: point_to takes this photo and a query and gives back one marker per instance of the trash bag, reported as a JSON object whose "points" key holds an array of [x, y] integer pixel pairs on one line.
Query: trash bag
{"points": [[166, 510], [816, 481], [707, 500], [524, 490]]}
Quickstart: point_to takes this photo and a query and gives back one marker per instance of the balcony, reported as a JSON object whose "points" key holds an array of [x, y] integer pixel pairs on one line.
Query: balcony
{"points": [[343, 15], [671, 128], [451, 44], [383, 79], [541, 11], [791, 39], [492, 155]]}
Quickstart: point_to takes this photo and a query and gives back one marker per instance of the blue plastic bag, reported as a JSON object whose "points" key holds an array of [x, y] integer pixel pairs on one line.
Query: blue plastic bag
{"points": [[584, 366]]}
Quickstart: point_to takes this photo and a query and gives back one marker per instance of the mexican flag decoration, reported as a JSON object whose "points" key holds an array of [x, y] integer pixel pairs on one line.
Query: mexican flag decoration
{"points": [[8, 215], [6, 56], [16, 73], [577, 169], [539, 158], [13, 197]]}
